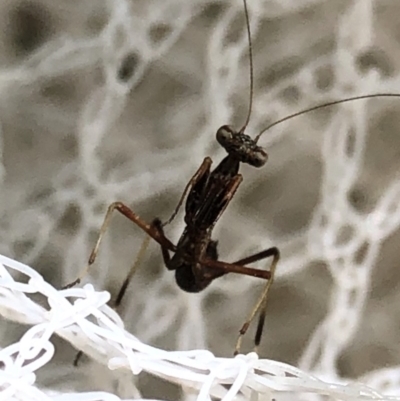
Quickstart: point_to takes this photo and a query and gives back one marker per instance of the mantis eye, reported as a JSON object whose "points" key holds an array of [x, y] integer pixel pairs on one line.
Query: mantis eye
{"points": [[224, 135], [259, 158]]}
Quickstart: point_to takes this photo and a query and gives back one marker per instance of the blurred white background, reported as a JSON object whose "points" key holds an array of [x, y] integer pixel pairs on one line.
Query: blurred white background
{"points": [[120, 100]]}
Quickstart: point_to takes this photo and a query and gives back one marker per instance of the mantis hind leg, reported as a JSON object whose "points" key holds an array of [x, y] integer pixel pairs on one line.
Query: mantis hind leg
{"points": [[261, 303]]}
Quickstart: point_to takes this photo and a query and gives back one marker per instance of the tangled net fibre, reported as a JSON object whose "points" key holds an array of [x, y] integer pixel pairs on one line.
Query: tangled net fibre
{"points": [[119, 100]]}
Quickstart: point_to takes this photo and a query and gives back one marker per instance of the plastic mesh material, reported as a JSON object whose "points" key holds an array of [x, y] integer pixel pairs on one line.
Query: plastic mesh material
{"points": [[120, 100], [89, 323]]}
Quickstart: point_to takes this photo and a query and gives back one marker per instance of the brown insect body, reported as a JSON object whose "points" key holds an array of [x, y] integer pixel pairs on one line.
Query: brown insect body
{"points": [[209, 196]]}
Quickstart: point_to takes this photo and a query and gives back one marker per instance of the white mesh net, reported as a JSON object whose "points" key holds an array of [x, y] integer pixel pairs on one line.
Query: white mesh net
{"points": [[120, 100]]}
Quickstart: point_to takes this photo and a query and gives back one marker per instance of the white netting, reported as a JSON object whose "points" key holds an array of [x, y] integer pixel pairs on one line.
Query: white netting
{"points": [[106, 341], [120, 100]]}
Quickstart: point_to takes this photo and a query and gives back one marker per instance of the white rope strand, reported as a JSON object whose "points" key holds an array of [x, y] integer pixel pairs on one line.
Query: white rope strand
{"points": [[105, 339]]}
